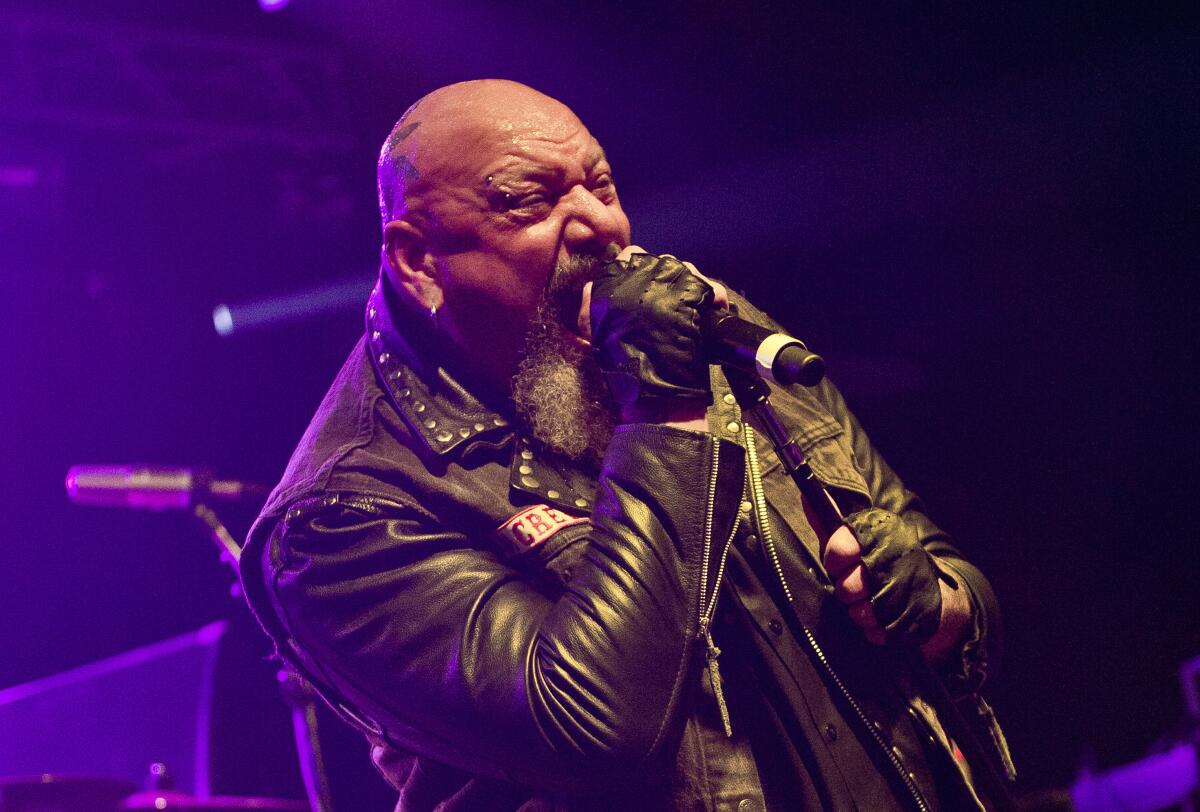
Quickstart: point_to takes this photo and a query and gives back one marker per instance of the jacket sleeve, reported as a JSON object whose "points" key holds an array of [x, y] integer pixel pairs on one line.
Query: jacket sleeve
{"points": [[979, 655], [980, 652], [460, 658]]}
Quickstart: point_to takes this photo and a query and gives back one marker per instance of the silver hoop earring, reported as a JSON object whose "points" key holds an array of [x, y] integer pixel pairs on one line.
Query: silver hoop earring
{"points": [[433, 315]]}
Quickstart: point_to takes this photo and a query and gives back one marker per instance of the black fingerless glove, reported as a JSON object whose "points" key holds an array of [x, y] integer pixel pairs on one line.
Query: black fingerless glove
{"points": [[900, 575], [645, 317]]}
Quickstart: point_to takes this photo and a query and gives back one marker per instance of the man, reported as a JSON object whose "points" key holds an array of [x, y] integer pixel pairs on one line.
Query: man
{"points": [[530, 555]]}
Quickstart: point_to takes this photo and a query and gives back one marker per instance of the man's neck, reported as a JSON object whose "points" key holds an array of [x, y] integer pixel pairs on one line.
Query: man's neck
{"points": [[434, 348]]}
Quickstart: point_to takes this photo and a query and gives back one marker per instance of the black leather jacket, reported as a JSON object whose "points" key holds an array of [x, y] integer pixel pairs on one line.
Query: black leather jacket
{"points": [[509, 630]]}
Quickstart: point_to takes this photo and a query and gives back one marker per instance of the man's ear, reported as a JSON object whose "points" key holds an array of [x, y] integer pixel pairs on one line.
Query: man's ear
{"points": [[409, 265]]}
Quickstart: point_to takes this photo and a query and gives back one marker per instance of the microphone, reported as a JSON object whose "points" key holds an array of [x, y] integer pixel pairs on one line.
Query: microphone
{"points": [[152, 487], [742, 344]]}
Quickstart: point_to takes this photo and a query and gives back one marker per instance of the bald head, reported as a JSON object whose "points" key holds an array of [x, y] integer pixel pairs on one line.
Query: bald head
{"points": [[435, 140], [486, 189]]}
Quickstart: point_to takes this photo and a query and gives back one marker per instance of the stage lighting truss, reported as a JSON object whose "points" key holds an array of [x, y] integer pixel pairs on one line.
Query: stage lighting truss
{"points": [[191, 93]]}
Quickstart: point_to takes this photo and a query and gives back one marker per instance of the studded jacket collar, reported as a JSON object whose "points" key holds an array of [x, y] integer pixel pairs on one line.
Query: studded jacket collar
{"points": [[450, 422], [443, 415]]}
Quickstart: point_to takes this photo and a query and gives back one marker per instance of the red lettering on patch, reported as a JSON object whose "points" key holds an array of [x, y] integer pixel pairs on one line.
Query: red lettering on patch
{"points": [[535, 524]]}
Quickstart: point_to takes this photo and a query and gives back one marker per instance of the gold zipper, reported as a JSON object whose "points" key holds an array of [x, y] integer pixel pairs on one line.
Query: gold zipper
{"points": [[764, 531], [708, 603]]}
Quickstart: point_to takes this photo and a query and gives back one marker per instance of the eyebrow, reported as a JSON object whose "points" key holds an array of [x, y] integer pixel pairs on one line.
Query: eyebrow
{"points": [[538, 174], [597, 157]]}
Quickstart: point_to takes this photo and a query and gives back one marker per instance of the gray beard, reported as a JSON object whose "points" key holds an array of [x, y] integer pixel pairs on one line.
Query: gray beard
{"points": [[558, 390]]}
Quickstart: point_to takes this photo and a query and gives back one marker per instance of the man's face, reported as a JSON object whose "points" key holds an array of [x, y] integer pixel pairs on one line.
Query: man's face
{"points": [[523, 195]]}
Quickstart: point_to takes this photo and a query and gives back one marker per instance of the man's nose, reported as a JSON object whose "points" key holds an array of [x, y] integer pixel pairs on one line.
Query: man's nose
{"points": [[593, 225]]}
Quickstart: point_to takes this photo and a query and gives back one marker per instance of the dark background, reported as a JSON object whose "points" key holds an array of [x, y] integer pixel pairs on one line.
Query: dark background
{"points": [[982, 215]]}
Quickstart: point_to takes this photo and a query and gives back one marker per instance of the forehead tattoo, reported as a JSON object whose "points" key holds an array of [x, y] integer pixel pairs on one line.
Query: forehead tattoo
{"points": [[406, 168], [402, 166], [405, 131]]}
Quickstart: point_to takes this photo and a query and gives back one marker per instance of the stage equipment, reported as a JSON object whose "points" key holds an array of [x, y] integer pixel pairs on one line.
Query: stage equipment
{"points": [[769, 354], [1167, 779], [60, 793], [1161, 781], [169, 799], [161, 86], [115, 716], [176, 487], [154, 487]]}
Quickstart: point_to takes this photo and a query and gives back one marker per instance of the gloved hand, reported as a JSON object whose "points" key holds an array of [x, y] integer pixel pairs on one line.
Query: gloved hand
{"points": [[645, 316], [891, 584]]}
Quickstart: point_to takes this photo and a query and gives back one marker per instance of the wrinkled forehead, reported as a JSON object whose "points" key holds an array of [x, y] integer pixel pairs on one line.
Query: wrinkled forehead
{"points": [[465, 141]]}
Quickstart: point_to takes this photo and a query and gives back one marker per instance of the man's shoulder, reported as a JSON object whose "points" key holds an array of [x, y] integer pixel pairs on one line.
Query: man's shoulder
{"points": [[344, 421], [360, 445]]}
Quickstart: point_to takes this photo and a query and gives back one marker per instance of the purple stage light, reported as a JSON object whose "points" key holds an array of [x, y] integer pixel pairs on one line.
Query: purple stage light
{"points": [[1156, 782], [19, 176], [272, 5], [346, 295]]}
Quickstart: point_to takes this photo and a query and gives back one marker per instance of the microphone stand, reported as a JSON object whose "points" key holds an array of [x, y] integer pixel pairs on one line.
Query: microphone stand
{"points": [[298, 695], [752, 394]]}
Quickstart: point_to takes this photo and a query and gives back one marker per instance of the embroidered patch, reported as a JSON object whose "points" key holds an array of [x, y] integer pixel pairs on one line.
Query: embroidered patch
{"points": [[535, 524]]}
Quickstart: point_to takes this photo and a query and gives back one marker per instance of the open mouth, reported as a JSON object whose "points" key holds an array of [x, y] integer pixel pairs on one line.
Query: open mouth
{"points": [[564, 293], [567, 312]]}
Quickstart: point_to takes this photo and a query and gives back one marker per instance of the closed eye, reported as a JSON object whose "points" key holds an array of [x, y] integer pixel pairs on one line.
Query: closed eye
{"points": [[603, 186], [508, 201]]}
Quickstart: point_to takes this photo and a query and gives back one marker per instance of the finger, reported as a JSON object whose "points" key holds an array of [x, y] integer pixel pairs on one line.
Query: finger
{"points": [[629, 251], [842, 552], [863, 614], [852, 588], [583, 323], [720, 294]]}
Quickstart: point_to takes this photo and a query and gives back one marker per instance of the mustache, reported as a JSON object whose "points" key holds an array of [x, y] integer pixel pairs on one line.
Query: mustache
{"points": [[559, 392], [564, 290]]}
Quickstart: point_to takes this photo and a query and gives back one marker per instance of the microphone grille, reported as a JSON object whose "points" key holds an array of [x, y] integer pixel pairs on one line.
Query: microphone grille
{"points": [[140, 487]]}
